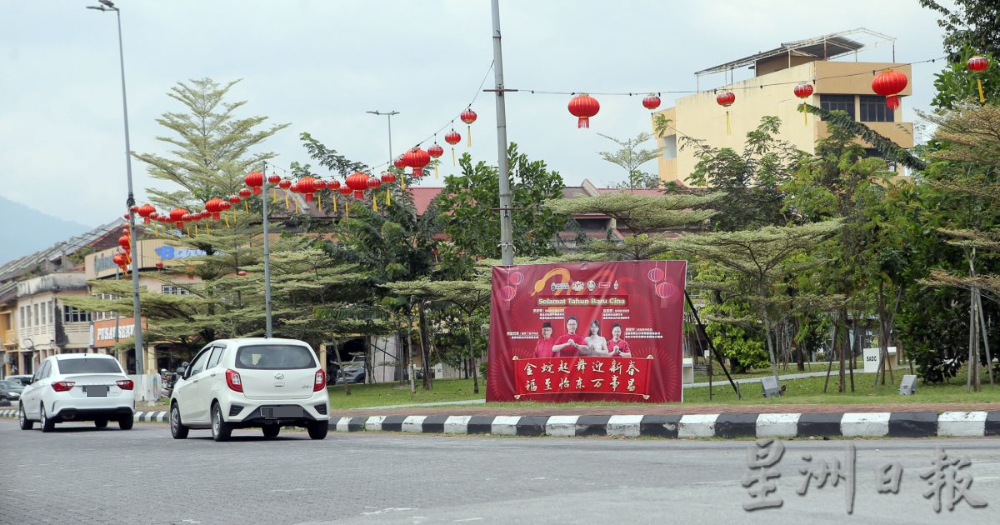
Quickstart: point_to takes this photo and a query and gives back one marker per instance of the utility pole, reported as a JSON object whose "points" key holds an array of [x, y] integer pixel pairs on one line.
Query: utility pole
{"points": [[506, 226], [108, 5], [389, 115], [268, 327]]}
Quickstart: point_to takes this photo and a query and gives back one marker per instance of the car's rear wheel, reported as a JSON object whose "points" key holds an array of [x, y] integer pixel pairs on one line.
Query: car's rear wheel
{"points": [[22, 418], [177, 428], [271, 431], [318, 429], [220, 429], [126, 422], [47, 424], [101, 423]]}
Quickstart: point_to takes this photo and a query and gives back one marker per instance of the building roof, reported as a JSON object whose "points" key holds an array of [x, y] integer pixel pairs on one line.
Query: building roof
{"points": [[824, 47], [18, 267]]}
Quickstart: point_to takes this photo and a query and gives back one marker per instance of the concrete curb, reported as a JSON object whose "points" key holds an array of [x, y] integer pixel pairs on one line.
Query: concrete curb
{"points": [[143, 417], [726, 426]]}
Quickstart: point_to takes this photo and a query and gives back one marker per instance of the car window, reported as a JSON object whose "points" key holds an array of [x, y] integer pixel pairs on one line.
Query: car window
{"points": [[216, 355], [43, 372], [89, 365], [274, 357], [199, 362]]}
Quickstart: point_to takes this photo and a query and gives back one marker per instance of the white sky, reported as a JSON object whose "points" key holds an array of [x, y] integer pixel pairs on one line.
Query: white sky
{"points": [[320, 65]]}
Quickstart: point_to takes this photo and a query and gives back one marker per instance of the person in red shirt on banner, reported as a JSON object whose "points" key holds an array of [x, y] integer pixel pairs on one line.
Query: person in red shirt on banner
{"points": [[569, 344], [544, 346], [618, 346]]}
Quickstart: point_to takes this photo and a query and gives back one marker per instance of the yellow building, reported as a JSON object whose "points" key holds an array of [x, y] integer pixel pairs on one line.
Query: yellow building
{"points": [[839, 85]]}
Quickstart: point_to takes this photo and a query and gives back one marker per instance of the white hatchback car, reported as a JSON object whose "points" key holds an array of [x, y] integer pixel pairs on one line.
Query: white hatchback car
{"points": [[78, 387], [255, 382]]}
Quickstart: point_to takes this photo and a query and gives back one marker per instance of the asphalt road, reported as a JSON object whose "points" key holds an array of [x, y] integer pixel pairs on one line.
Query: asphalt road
{"points": [[82, 475]]}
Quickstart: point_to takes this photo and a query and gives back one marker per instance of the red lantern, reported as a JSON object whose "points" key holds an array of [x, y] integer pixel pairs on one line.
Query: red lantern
{"points": [[417, 159], [233, 199], [651, 102], [804, 90], [214, 206], [242, 273], [245, 192], [224, 205], [133, 209], [583, 107], [177, 215], [125, 242], [344, 190], [307, 186], [319, 184], [145, 211], [359, 183], [399, 162], [976, 64], [255, 180], [888, 84], [468, 116], [388, 177], [435, 150], [452, 137], [725, 100], [374, 183], [333, 184], [285, 184], [159, 264], [273, 178]]}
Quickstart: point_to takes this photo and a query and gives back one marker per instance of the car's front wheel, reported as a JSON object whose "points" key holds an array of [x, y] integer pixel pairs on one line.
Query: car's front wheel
{"points": [[47, 424], [101, 423], [22, 418], [126, 422], [318, 429], [271, 431], [177, 428], [220, 429]]}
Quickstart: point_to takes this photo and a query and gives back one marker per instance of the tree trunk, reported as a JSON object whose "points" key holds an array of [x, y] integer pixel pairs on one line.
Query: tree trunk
{"points": [[412, 370], [425, 344], [340, 368], [833, 347], [797, 346], [472, 358], [841, 348]]}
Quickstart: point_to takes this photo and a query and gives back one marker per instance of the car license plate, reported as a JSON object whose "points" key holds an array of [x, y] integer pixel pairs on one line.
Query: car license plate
{"points": [[280, 412], [97, 391]]}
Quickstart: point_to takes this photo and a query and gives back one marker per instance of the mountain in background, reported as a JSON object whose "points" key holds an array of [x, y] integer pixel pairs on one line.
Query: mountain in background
{"points": [[24, 231]]}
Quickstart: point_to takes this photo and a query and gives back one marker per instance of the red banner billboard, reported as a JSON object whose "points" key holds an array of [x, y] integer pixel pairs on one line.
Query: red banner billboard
{"points": [[587, 332]]}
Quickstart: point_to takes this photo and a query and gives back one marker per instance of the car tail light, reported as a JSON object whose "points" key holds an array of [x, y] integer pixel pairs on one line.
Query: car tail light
{"points": [[320, 382], [234, 381], [126, 384], [62, 386]]}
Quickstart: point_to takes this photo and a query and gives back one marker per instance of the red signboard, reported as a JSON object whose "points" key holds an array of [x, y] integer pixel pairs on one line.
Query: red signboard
{"points": [[587, 332]]}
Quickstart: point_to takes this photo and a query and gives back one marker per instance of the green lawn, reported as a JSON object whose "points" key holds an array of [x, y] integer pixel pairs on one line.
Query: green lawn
{"points": [[717, 374], [383, 394]]}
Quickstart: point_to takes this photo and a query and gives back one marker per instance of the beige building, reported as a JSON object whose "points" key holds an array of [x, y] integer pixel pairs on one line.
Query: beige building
{"points": [[843, 84], [46, 325]]}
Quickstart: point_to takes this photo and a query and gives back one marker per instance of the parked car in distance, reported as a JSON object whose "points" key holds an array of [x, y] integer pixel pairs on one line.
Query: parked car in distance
{"points": [[77, 387], [20, 379], [252, 382], [10, 391], [350, 374]]}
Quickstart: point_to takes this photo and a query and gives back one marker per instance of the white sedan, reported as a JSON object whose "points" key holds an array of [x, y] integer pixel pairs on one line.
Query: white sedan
{"points": [[240, 383], [77, 387]]}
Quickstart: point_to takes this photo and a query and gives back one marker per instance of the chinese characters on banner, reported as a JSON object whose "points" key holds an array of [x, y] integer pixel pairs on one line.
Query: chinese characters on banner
{"points": [[608, 375], [943, 480], [587, 319]]}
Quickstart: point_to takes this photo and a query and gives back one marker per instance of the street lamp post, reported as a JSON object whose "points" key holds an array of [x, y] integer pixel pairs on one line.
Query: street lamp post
{"points": [[108, 5], [506, 224], [388, 115]]}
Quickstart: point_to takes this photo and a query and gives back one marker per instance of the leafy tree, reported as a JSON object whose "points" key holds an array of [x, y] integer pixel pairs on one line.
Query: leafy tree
{"points": [[956, 84], [469, 202], [213, 146], [761, 259], [645, 217], [972, 23], [630, 158], [751, 180]]}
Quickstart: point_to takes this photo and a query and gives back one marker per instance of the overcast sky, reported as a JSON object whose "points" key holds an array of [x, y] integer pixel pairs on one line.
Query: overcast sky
{"points": [[319, 65]]}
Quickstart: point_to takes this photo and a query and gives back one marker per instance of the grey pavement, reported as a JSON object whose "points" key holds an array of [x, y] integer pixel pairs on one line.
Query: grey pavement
{"points": [[82, 475]]}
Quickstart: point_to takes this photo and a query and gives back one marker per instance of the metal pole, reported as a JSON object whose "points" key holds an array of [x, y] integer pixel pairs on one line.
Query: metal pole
{"points": [[506, 226], [136, 256], [391, 113], [267, 262]]}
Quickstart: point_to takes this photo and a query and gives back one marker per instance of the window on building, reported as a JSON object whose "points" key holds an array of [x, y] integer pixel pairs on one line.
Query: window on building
{"points": [[872, 152], [52, 313], [110, 314], [843, 103], [43, 318], [874, 109], [174, 290], [75, 315], [21, 317]]}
